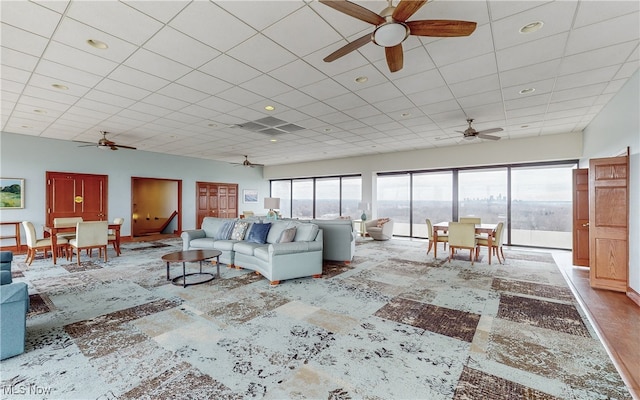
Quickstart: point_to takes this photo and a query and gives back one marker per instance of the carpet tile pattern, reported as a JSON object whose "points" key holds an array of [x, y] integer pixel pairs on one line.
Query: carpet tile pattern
{"points": [[392, 324]]}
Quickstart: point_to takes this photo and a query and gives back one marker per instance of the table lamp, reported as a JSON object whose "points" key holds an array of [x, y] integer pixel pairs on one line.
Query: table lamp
{"points": [[272, 203], [364, 207]]}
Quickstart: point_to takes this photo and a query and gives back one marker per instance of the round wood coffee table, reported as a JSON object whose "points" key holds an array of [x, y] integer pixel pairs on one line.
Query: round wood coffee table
{"points": [[192, 256]]}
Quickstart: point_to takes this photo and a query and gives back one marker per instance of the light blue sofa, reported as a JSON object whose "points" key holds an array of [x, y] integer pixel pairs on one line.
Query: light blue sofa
{"points": [[275, 260], [14, 305], [339, 239]]}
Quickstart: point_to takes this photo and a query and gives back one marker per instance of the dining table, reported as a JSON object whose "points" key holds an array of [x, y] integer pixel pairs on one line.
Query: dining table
{"points": [[53, 231], [489, 229]]}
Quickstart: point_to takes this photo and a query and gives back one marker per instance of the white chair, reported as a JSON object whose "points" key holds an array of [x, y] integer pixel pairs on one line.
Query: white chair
{"points": [[378, 229], [112, 238], [470, 220], [496, 243], [442, 237], [462, 236], [34, 244], [90, 235]]}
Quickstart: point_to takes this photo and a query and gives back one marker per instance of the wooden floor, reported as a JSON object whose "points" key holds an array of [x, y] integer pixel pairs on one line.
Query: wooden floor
{"points": [[614, 316]]}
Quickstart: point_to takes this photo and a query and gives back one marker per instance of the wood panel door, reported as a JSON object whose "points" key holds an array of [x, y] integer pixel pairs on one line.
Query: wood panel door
{"points": [[608, 223], [76, 195], [216, 200], [581, 217]]}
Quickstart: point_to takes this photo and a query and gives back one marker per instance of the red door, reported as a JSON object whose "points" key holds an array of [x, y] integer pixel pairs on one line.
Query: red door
{"points": [[76, 195]]}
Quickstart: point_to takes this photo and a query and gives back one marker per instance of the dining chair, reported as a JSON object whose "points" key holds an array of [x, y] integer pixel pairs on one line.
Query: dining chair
{"points": [[111, 238], [470, 220], [462, 236], [442, 237], [496, 242], [34, 244], [90, 235], [66, 222]]}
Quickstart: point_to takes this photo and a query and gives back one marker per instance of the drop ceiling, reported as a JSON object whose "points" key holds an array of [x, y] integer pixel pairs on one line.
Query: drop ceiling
{"points": [[189, 78]]}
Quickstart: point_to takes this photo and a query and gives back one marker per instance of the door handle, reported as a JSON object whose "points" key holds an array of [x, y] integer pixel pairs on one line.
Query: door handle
{"points": [[585, 225]]}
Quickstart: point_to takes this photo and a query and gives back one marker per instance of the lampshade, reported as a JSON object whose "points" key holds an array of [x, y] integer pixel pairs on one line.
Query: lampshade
{"points": [[272, 203]]}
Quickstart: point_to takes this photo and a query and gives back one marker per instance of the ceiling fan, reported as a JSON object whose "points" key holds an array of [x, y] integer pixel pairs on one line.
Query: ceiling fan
{"points": [[470, 133], [392, 28], [247, 163], [104, 144]]}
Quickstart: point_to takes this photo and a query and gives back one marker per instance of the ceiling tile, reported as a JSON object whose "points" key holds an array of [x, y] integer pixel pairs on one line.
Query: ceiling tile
{"points": [[157, 65], [451, 50], [122, 89], [475, 67], [134, 77], [270, 54], [210, 24], [533, 52], [72, 57], [21, 40], [591, 37], [591, 12], [161, 10], [266, 86], [115, 18], [183, 93], [181, 48], [597, 58], [30, 17], [204, 82]]}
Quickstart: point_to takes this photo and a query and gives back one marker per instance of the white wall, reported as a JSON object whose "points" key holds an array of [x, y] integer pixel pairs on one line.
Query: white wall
{"points": [[29, 157], [614, 129]]}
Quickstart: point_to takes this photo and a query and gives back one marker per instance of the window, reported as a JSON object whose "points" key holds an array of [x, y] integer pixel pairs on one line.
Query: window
{"points": [[351, 196], [393, 202], [302, 198], [328, 198], [541, 206], [483, 193], [282, 189], [432, 198]]}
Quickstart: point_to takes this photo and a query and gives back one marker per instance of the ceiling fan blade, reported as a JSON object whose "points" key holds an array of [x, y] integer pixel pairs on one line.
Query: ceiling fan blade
{"points": [[492, 130], [394, 57], [406, 8], [348, 48], [354, 10], [488, 137], [441, 27], [123, 146]]}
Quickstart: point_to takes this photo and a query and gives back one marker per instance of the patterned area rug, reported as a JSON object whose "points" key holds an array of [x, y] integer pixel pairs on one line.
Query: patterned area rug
{"points": [[393, 324]]}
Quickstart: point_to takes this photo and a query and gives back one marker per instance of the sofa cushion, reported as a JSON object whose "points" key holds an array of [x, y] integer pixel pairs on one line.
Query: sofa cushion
{"points": [[224, 245], [276, 230], [258, 233], [239, 230], [262, 253], [306, 233], [211, 225], [224, 232], [288, 235], [247, 248]]}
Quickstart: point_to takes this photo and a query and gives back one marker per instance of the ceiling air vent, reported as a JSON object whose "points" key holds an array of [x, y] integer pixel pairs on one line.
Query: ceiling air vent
{"points": [[270, 126]]}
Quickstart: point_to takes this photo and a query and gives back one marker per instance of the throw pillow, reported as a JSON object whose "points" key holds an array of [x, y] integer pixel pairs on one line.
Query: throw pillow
{"points": [[258, 233], [287, 235], [381, 222], [224, 232], [239, 229]]}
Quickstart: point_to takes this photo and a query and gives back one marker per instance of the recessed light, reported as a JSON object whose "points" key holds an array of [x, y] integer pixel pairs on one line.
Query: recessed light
{"points": [[524, 126], [327, 129], [273, 140], [531, 27], [26, 126], [213, 125], [361, 79], [269, 108], [59, 86], [405, 114], [527, 91], [97, 44], [40, 111]]}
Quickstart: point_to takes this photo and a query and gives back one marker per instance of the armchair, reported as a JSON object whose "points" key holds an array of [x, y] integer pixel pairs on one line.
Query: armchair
{"points": [[380, 229], [14, 305]]}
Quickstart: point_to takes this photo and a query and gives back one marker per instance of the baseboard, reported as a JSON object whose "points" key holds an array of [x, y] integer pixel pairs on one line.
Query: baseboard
{"points": [[634, 296]]}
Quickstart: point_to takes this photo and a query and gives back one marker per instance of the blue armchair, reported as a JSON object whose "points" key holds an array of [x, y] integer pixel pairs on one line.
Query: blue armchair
{"points": [[14, 305]]}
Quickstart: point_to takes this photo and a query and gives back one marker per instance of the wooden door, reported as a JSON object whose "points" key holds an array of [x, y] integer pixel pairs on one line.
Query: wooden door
{"points": [[216, 200], [76, 195], [608, 223], [581, 217]]}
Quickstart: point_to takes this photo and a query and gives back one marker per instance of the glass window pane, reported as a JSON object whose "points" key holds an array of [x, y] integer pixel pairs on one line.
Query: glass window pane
{"points": [[351, 196], [302, 195], [393, 201], [541, 206], [432, 198], [327, 198], [483, 193], [282, 189]]}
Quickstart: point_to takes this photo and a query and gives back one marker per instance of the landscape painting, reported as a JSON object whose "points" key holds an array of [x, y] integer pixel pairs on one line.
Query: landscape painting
{"points": [[11, 193], [250, 196]]}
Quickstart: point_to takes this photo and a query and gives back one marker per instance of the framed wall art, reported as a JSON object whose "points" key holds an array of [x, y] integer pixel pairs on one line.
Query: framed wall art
{"points": [[249, 196], [11, 193]]}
